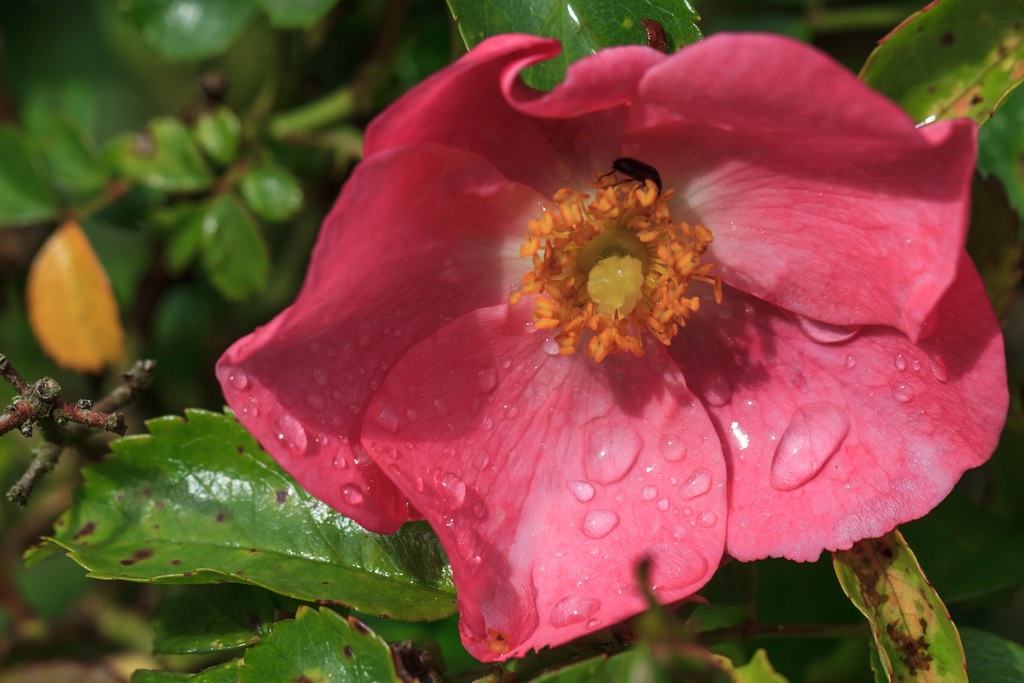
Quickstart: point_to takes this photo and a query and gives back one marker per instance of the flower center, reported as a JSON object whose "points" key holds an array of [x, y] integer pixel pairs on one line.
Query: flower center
{"points": [[613, 264]]}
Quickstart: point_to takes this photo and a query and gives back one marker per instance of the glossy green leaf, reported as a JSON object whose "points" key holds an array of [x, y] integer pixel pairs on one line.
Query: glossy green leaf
{"points": [[915, 637], [272, 192], [758, 670], [991, 659], [185, 30], [583, 26], [199, 501], [218, 132], [952, 58], [71, 156], [319, 646], [234, 254], [222, 673], [24, 196], [1001, 149], [295, 13], [203, 619], [165, 157]]}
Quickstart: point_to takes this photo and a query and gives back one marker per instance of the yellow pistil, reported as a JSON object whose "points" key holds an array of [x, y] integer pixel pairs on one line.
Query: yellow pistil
{"points": [[613, 264]]}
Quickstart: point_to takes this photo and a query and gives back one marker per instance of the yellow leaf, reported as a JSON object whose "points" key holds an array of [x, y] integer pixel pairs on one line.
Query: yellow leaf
{"points": [[71, 305]]}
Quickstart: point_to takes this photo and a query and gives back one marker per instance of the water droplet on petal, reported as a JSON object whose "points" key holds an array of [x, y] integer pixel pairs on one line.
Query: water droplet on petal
{"points": [[938, 369], [611, 453], [814, 434], [662, 504], [573, 609], [290, 433], [387, 418], [850, 362], [340, 461], [902, 392], [915, 365], [648, 493], [900, 362], [825, 333], [454, 490], [708, 519], [352, 494], [715, 389], [698, 484], [599, 523], [675, 566], [673, 448], [316, 402], [550, 347], [238, 380], [320, 377], [441, 407], [252, 409], [582, 490], [411, 414], [468, 543], [487, 379]]}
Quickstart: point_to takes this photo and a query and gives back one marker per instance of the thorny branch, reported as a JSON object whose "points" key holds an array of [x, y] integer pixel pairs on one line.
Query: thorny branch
{"points": [[39, 404]]}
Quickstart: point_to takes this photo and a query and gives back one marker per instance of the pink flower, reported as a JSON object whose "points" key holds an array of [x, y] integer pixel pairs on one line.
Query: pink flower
{"points": [[851, 372]]}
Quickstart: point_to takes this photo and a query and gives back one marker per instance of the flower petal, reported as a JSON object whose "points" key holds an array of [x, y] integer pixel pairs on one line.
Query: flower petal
{"points": [[406, 249], [549, 477], [832, 434], [547, 140], [823, 197]]}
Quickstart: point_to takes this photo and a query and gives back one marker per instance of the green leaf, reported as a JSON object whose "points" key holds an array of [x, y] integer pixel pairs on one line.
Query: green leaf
{"points": [[295, 13], [758, 670], [222, 673], [272, 192], [199, 501], [185, 30], [218, 132], [991, 658], [204, 619], [584, 26], [1001, 149], [993, 242], [234, 253], [165, 158], [913, 632], [71, 156], [952, 58], [24, 196], [319, 646]]}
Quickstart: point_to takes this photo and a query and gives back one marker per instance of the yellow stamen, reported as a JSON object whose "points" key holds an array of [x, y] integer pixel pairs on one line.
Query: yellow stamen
{"points": [[612, 265]]}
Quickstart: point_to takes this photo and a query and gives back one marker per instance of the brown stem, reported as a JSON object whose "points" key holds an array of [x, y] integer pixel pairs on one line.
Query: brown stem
{"points": [[44, 462], [8, 372], [748, 630]]}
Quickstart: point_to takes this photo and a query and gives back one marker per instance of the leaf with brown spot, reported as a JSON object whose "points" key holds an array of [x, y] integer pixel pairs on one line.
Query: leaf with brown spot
{"points": [[952, 58], [915, 637]]}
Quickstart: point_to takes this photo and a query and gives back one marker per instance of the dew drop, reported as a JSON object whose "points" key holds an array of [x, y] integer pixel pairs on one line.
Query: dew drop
{"points": [[353, 408], [251, 409], [915, 365], [487, 379], [550, 347], [662, 504], [573, 610], [648, 493], [387, 418], [316, 402], [813, 435], [698, 484], [599, 523], [673, 448], [611, 453], [352, 494], [938, 369], [900, 362], [340, 461], [583, 490], [411, 414], [708, 519], [320, 377], [850, 362], [675, 566], [825, 333], [468, 543], [238, 380], [902, 392], [716, 389], [441, 407], [290, 433], [454, 491]]}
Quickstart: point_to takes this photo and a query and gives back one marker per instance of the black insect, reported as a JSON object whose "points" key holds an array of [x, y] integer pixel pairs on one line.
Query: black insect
{"points": [[637, 170]]}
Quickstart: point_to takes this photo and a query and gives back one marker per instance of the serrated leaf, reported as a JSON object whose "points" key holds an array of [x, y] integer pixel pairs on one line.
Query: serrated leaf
{"points": [[218, 132], [583, 26], [199, 501], [204, 619], [165, 158], [71, 306], [70, 154], [991, 658], [319, 646], [185, 30], [952, 58], [272, 192], [915, 637], [295, 13], [24, 196], [234, 254]]}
